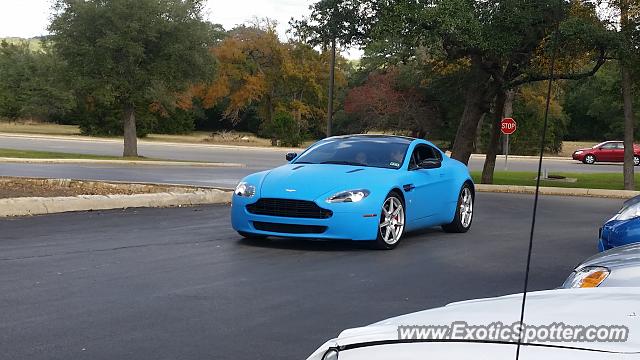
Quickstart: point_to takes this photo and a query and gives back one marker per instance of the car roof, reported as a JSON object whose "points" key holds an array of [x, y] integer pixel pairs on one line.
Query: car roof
{"points": [[383, 137]]}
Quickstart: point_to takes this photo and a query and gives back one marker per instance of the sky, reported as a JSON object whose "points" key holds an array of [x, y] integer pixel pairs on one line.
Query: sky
{"points": [[29, 18]]}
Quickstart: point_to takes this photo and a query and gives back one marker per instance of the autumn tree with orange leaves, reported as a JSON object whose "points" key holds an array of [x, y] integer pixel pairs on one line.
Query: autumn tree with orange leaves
{"points": [[283, 81]]}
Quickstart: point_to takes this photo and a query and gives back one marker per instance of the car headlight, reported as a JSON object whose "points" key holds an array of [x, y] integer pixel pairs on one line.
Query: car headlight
{"points": [[348, 196], [578, 152], [331, 354], [245, 190], [628, 213], [587, 277]]}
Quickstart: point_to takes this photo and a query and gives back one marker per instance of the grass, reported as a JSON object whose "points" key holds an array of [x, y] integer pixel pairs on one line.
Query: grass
{"points": [[205, 137], [612, 181], [32, 127], [196, 137], [31, 154]]}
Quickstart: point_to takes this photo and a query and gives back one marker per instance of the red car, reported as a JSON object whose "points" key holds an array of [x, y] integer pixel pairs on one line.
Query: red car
{"points": [[608, 151]]}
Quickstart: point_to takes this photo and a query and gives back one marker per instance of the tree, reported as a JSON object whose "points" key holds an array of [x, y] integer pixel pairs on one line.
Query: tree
{"points": [[330, 22], [629, 17], [499, 41], [382, 103], [132, 53], [31, 85], [595, 107], [250, 71], [255, 70]]}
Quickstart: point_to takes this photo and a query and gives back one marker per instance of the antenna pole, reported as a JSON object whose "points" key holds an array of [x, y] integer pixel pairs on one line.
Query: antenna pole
{"points": [[537, 194]]}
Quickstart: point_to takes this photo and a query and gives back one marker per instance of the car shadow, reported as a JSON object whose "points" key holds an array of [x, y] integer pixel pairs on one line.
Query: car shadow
{"points": [[600, 163], [305, 244]]}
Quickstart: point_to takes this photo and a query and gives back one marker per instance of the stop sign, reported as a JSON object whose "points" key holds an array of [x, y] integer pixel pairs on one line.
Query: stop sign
{"points": [[508, 126]]}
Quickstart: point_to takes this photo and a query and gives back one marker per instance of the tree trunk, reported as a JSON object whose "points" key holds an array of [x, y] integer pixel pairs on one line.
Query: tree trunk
{"points": [[479, 95], [629, 180], [130, 134], [332, 76], [492, 150], [475, 106]]}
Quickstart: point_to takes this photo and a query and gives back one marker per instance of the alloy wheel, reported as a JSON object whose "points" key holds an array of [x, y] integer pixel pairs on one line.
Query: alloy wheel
{"points": [[392, 220], [466, 207], [589, 159]]}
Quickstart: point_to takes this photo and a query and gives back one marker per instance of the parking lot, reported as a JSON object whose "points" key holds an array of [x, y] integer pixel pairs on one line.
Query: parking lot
{"points": [[181, 284]]}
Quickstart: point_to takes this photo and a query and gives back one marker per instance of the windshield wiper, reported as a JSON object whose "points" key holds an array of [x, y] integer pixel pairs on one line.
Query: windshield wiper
{"points": [[341, 162]]}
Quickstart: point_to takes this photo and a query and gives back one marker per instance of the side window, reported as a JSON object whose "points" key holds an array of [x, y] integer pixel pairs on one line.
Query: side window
{"points": [[422, 153], [609, 146], [620, 146]]}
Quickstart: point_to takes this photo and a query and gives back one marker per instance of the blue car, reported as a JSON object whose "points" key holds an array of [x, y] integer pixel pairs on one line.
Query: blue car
{"points": [[356, 187], [623, 228]]}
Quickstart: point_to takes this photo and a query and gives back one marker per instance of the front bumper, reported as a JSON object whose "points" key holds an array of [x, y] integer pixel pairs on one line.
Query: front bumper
{"points": [[352, 222]]}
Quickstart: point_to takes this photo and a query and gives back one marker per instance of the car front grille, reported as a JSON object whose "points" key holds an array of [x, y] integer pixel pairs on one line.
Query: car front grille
{"points": [[289, 208], [289, 228]]}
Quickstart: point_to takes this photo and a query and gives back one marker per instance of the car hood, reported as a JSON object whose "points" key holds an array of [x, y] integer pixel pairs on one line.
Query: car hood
{"points": [[600, 306], [618, 257], [311, 181]]}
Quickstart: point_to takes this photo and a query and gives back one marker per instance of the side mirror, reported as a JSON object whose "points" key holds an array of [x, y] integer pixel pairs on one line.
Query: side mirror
{"points": [[430, 164], [291, 156]]}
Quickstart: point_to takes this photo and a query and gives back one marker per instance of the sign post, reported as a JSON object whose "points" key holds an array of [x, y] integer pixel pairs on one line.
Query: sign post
{"points": [[508, 126]]}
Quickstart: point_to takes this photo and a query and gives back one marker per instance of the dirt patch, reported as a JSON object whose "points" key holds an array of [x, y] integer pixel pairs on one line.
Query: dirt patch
{"points": [[29, 187]]}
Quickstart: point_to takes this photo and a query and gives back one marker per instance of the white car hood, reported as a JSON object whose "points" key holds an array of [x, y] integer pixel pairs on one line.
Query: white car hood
{"points": [[600, 306]]}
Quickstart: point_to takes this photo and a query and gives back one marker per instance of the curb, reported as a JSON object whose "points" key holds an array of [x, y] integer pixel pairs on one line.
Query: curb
{"points": [[43, 206], [599, 193], [119, 162]]}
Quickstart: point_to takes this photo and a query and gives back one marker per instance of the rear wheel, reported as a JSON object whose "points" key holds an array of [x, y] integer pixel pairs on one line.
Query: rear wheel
{"points": [[464, 212], [589, 159], [636, 160], [392, 220]]}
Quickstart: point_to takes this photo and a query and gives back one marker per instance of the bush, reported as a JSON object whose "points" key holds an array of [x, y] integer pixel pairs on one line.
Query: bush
{"points": [[284, 128]]}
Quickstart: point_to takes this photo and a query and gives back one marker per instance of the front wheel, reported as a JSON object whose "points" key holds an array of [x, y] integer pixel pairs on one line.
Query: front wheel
{"points": [[589, 159], [392, 220], [464, 212]]}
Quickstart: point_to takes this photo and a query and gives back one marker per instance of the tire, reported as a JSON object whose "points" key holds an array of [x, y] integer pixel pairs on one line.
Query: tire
{"points": [[250, 236], [636, 160], [392, 222], [589, 159], [464, 212]]}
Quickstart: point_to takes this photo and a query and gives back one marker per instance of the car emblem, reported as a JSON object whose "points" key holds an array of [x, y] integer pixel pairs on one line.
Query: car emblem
{"points": [[290, 190]]}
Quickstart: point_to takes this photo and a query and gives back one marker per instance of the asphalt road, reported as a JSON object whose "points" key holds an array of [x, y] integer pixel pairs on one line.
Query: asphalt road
{"points": [[180, 284], [201, 176], [254, 158]]}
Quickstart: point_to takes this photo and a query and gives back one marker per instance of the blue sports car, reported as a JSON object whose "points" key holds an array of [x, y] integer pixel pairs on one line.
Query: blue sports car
{"points": [[356, 187], [623, 228]]}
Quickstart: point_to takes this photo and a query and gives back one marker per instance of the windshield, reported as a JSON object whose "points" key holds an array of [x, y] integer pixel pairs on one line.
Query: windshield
{"points": [[358, 152]]}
